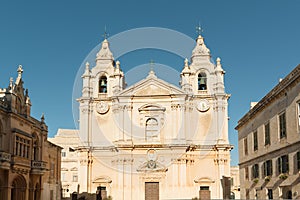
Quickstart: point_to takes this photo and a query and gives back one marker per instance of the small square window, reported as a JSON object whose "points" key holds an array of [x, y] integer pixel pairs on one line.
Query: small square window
{"points": [[75, 177]]}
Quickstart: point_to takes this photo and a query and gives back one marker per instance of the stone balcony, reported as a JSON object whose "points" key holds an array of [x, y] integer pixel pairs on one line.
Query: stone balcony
{"points": [[5, 159], [38, 167]]}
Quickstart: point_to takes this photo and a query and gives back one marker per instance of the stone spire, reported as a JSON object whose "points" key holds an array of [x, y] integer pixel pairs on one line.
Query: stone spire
{"points": [[20, 71], [219, 66], [87, 69], [104, 56], [11, 84], [151, 74], [185, 77], [186, 68], [219, 86], [86, 81], [200, 51], [43, 118], [27, 103], [117, 69]]}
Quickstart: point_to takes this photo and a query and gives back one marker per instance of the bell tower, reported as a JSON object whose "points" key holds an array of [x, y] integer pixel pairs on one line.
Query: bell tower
{"points": [[100, 83], [205, 81], [107, 76]]}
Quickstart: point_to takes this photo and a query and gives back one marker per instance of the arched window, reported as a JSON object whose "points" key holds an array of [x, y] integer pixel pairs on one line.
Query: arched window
{"points": [[202, 81], [151, 129], [103, 84]]}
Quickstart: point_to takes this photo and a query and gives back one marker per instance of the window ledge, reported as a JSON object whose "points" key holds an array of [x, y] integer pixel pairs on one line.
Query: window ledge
{"points": [[282, 140], [202, 91]]}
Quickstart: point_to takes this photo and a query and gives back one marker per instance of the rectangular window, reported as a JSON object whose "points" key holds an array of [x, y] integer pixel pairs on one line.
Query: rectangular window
{"points": [[255, 171], [270, 194], [298, 160], [298, 109], [283, 164], [63, 176], [204, 187], [267, 134], [268, 170], [75, 177], [255, 142], [246, 146], [282, 126], [63, 154], [246, 173], [52, 170], [22, 147]]}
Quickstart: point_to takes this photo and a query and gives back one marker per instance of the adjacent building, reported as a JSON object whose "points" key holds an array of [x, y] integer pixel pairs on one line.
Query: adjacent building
{"points": [[69, 140], [235, 182], [29, 164], [154, 140], [269, 143]]}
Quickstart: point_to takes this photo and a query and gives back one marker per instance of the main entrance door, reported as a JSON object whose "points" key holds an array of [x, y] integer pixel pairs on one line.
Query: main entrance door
{"points": [[152, 191]]}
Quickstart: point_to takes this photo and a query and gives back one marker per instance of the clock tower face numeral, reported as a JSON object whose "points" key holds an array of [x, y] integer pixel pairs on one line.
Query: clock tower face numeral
{"points": [[203, 105], [102, 107]]}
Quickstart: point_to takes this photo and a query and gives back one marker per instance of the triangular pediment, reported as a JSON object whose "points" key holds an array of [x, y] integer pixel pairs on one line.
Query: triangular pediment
{"points": [[151, 87]]}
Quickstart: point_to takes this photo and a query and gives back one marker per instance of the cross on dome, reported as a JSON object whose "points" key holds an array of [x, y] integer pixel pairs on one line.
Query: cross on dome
{"points": [[105, 34], [199, 29], [151, 72], [200, 50]]}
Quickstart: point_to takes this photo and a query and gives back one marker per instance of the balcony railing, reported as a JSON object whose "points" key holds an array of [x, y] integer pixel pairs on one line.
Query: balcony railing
{"points": [[38, 167], [5, 157], [38, 164]]}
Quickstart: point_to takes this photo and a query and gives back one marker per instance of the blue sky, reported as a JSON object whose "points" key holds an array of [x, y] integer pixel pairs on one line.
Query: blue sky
{"points": [[258, 42]]}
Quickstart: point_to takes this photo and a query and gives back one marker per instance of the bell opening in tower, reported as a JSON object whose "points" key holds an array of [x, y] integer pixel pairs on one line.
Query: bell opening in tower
{"points": [[103, 84]]}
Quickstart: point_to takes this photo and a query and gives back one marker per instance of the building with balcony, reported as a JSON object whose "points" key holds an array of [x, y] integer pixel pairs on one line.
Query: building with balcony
{"points": [[269, 143], [29, 164]]}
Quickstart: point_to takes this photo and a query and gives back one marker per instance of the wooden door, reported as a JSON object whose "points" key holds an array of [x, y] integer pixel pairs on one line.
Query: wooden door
{"points": [[152, 191]]}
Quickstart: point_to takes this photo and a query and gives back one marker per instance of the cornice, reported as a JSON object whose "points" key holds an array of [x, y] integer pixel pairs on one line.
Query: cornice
{"points": [[281, 87]]}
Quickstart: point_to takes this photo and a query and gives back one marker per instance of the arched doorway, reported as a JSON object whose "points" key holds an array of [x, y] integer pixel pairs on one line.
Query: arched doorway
{"points": [[18, 188]]}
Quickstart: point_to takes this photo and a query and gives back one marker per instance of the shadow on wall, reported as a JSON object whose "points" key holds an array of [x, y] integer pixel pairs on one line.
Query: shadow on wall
{"points": [[86, 196]]}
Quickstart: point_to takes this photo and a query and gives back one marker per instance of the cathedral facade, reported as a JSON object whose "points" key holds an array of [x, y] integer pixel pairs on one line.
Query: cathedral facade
{"points": [[154, 140]]}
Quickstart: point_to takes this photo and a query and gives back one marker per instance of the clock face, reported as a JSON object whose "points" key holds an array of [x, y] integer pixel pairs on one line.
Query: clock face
{"points": [[102, 107], [203, 105]]}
